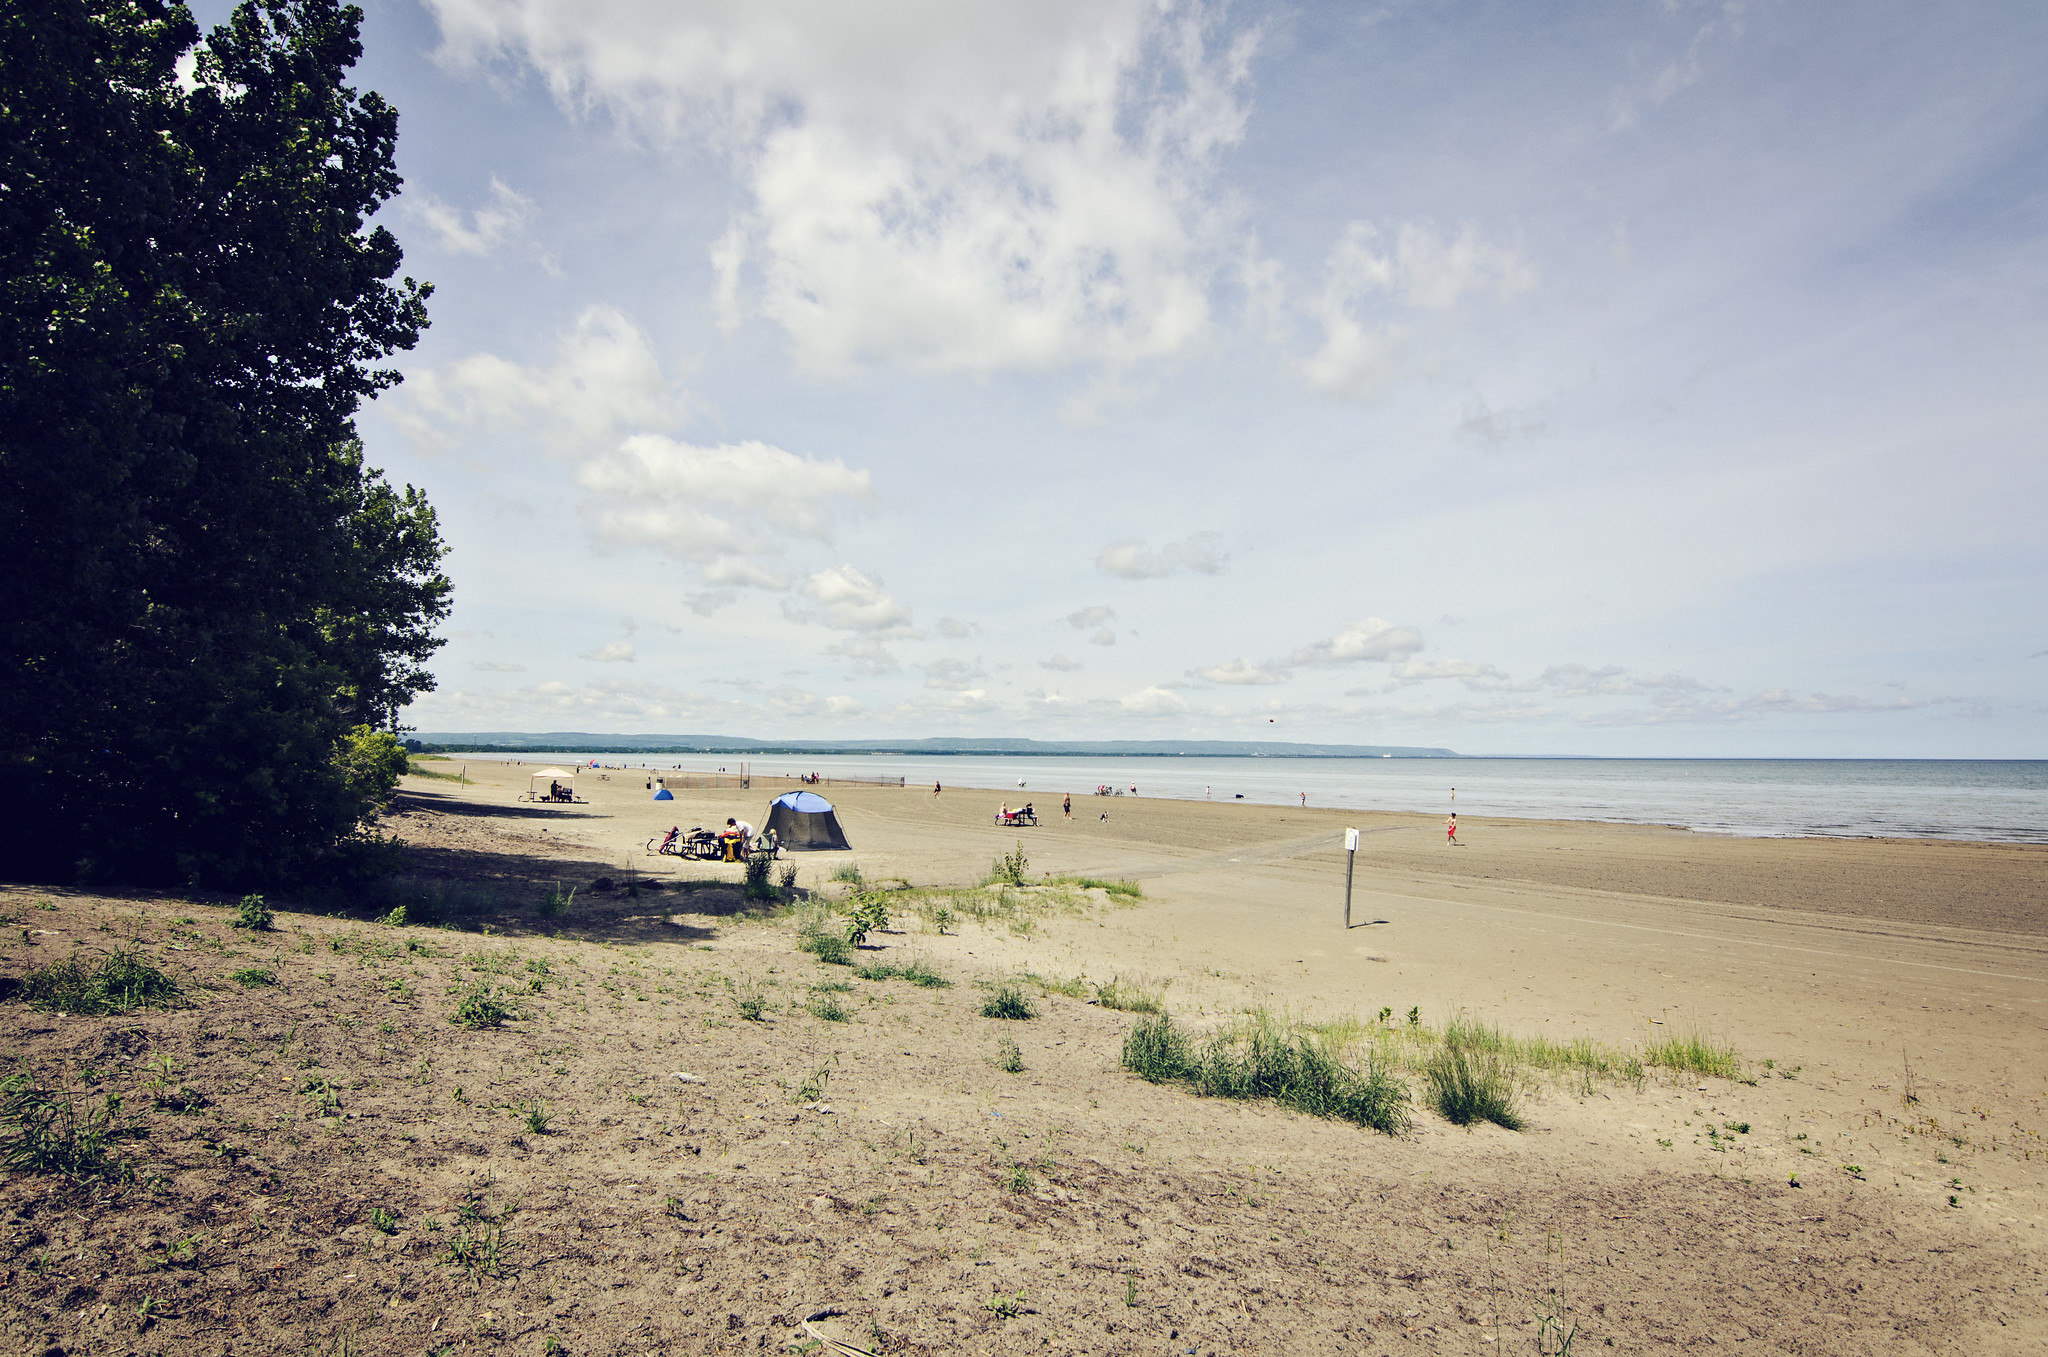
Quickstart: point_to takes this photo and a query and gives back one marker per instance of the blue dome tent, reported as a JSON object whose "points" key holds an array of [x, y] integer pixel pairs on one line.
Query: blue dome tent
{"points": [[804, 821]]}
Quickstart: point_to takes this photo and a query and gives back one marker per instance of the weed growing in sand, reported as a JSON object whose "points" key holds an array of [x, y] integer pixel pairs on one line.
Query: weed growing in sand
{"points": [[251, 912], [830, 948], [1471, 1082], [1009, 869], [828, 1007], [535, 1114], [1074, 987], [1004, 1306], [1693, 1053], [1264, 1058], [121, 983], [785, 881], [480, 1249], [1129, 890], [556, 902], [1018, 1179], [45, 1131], [253, 977], [1009, 1057], [383, 1221], [482, 1005], [750, 999], [848, 872], [1006, 1000], [1129, 998], [760, 865], [812, 1089]]}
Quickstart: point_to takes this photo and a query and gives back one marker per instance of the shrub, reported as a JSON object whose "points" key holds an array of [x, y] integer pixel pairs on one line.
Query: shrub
{"points": [[1469, 1082], [1009, 1056], [760, 865], [45, 1132], [121, 983], [557, 902], [1009, 869], [1157, 1051], [1006, 1000], [251, 912], [869, 914]]}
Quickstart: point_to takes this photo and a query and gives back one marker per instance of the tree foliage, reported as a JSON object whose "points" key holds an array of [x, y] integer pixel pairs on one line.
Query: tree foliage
{"points": [[208, 590]]}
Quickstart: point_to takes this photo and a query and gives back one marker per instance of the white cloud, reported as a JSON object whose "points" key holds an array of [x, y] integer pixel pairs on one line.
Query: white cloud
{"points": [[935, 186], [498, 667], [1363, 344], [865, 656], [1153, 701], [1202, 554], [506, 215], [1060, 664], [1578, 680], [605, 380], [953, 629], [953, 675], [851, 601], [612, 652], [1374, 638], [1103, 637], [1090, 617], [710, 601], [1475, 675], [1237, 672], [716, 504]]}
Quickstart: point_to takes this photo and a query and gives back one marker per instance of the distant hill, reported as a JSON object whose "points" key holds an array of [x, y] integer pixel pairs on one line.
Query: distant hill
{"points": [[515, 742]]}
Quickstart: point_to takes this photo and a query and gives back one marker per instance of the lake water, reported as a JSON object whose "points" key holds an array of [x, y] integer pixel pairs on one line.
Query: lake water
{"points": [[1995, 800]]}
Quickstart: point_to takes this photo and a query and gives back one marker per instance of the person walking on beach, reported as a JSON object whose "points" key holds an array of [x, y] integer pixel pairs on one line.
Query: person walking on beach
{"points": [[1304, 800], [1067, 805], [935, 791], [1451, 831]]}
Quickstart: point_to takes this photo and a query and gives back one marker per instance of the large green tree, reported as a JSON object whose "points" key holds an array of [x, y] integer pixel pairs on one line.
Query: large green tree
{"points": [[206, 591]]}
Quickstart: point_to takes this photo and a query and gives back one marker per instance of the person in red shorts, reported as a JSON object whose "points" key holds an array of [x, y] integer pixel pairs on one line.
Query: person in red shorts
{"points": [[1451, 830]]}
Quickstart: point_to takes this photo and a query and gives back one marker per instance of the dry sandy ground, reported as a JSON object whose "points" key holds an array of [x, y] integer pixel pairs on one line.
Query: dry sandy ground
{"points": [[947, 1206]]}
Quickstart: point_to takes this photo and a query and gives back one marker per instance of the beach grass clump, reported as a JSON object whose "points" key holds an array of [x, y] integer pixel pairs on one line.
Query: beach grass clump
{"points": [[1006, 1000], [1129, 890], [917, 971], [122, 982], [828, 1007], [848, 872], [1127, 997], [830, 948], [415, 902], [253, 977], [1471, 1082], [45, 1131], [556, 902], [759, 869], [749, 999], [1694, 1052], [1073, 987], [1268, 1059]]}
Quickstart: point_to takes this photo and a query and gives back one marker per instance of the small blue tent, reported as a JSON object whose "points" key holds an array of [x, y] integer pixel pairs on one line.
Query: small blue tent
{"points": [[805, 821], [664, 794]]}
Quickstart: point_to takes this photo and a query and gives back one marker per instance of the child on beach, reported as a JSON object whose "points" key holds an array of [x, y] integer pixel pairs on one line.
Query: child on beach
{"points": [[1451, 831], [1067, 805]]}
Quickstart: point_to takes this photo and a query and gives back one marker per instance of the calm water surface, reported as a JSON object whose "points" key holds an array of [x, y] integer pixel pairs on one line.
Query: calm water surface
{"points": [[1995, 800]]}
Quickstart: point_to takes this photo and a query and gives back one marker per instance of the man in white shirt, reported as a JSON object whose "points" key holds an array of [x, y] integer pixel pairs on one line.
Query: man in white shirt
{"points": [[741, 828]]}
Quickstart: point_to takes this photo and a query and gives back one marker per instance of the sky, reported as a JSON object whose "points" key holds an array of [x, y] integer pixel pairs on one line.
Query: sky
{"points": [[1610, 378]]}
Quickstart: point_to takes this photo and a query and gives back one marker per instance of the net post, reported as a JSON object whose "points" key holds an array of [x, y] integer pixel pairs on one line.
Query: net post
{"points": [[1350, 862]]}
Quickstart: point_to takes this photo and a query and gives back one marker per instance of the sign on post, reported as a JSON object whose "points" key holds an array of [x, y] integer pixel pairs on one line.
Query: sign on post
{"points": [[1350, 861]]}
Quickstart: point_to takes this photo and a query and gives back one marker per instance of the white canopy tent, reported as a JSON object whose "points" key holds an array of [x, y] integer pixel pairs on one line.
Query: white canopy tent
{"points": [[565, 776]]}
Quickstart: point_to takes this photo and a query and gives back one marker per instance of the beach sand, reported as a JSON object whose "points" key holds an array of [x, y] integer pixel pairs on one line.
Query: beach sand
{"points": [[1885, 999]]}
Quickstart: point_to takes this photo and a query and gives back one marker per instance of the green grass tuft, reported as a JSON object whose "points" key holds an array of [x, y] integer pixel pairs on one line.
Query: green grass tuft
{"points": [[1128, 998], [482, 1005], [1469, 1083], [121, 983], [1007, 1000], [1266, 1059], [1694, 1053], [253, 977]]}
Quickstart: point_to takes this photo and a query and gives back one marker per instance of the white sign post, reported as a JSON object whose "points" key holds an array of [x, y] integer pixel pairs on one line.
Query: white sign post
{"points": [[1350, 861]]}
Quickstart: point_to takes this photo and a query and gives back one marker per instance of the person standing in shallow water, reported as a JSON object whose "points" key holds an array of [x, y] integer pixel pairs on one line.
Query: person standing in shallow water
{"points": [[1067, 805]]}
